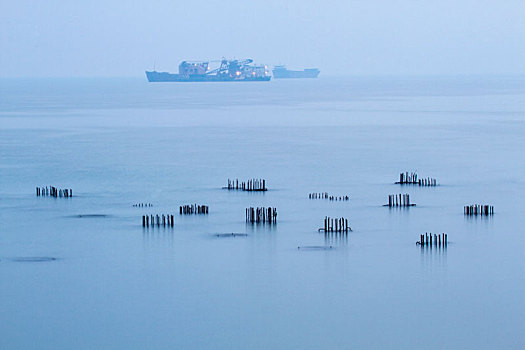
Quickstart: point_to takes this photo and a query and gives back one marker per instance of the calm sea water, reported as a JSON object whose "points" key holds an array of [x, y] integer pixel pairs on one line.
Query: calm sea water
{"points": [[119, 142]]}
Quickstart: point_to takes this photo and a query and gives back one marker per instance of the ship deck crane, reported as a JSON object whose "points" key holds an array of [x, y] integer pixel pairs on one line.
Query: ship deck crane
{"points": [[230, 67]]}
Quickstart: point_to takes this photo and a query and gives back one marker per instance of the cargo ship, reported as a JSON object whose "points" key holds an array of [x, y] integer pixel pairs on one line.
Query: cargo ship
{"points": [[280, 72], [200, 71]]}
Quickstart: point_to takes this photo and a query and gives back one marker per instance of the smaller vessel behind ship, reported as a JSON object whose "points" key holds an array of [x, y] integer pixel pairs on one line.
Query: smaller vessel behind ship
{"points": [[280, 72], [200, 71]]}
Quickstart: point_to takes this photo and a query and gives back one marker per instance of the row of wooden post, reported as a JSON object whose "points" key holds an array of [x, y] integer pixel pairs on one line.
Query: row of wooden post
{"points": [[335, 225], [250, 185], [439, 240], [53, 191], [412, 179], [405, 178], [158, 220], [399, 200], [427, 182], [261, 215], [326, 196], [193, 209], [477, 209], [142, 205]]}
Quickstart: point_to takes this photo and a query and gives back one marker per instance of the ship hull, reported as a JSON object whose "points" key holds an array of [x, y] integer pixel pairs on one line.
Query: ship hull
{"points": [[154, 77], [286, 74]]}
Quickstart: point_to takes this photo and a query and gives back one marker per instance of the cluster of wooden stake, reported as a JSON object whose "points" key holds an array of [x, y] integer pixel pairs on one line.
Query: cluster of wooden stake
{"points": [[158, 220], [407, 179], [439, 240], [253, 185], [399, 200], [339, 225], [193, 209], [427, 182], [261, 215], [53, 191], [477, 209], [142, 205], [326, 196], [412, 179]]}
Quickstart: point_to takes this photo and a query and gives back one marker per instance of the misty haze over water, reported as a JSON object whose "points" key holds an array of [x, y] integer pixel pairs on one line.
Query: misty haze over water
{"points": [[122, 38], [404, 86]]}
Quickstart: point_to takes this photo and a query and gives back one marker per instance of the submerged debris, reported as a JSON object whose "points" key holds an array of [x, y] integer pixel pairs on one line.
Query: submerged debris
{"points": [[223, 235], [314, 247], [33, 259]]}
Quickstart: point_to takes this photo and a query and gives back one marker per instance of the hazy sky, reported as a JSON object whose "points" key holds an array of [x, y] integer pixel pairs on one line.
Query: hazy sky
{"points": [[124, 37]]}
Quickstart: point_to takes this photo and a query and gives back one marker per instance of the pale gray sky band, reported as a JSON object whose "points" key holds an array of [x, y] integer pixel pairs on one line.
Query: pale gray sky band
{"points": [[123, 38]]}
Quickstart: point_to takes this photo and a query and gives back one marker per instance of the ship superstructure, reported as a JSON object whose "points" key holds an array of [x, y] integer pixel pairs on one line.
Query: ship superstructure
{"points": [[280, 72], [228, 70]]}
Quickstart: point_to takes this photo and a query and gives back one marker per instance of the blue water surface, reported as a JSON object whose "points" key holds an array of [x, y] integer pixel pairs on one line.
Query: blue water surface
{"points": [[69, 280]]}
